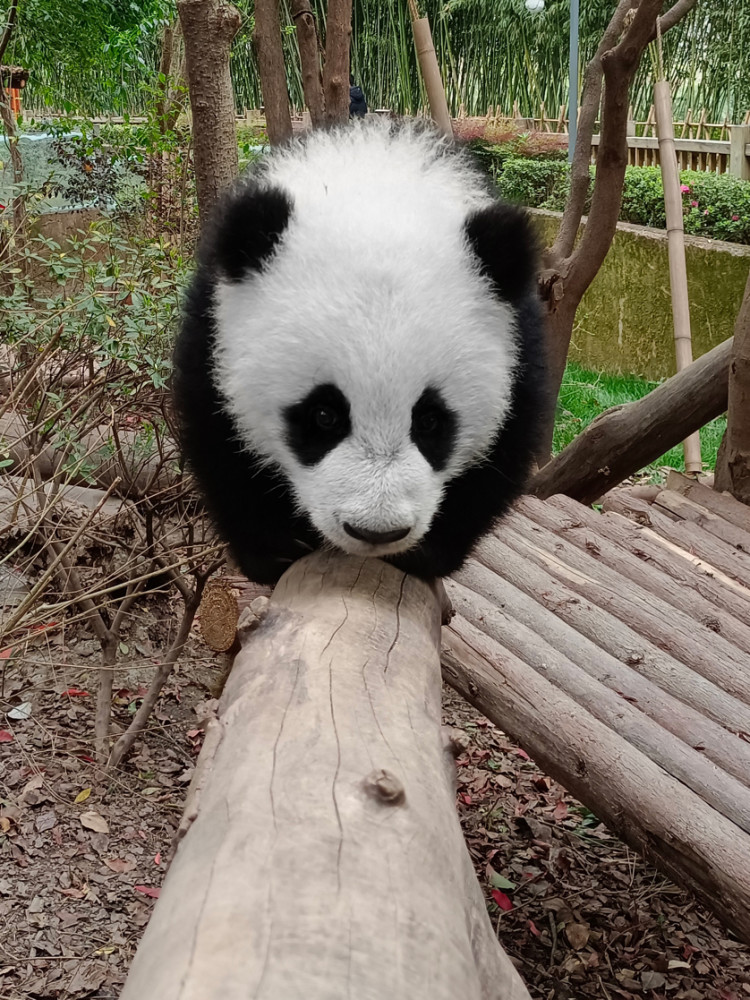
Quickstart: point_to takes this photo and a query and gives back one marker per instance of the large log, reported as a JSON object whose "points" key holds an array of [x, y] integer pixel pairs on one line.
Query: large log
{"points": [[322, 855], [624, 439]]}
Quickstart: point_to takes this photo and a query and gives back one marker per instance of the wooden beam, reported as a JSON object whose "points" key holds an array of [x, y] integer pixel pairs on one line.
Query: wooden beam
{"points": [[622, 440]]}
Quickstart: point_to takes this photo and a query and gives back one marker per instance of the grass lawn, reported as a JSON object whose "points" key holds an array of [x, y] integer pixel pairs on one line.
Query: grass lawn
{"points": [[584, 395]]}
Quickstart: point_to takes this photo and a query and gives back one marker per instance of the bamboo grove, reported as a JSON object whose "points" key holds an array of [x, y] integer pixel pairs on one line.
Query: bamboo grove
{"points": [[492, 53]]}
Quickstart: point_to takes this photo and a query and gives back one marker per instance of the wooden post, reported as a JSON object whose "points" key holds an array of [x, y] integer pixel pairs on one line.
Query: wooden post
{"points": [[739, 164], [428, 64], [676, 245], [320, 854]]}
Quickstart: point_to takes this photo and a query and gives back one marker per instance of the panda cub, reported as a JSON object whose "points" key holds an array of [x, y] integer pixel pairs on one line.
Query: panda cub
{"points": [[360, 359]]}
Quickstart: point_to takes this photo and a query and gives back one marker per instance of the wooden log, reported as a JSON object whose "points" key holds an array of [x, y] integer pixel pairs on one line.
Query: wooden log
{"points": [[612, 707], [722, 504], [732, 563], [653, 550], [524, 620], [693, 644], [653, 812], [580, 525], [686, 509], [621, 441], [322, 855], [612, 635]]}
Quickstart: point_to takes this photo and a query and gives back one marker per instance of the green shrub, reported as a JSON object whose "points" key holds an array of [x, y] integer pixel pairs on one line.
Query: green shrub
{"points": [[536, 183], [716, 206]]}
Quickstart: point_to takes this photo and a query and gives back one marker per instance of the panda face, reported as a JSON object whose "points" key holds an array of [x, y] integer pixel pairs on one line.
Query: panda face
{"points": [[365, 494], [369, 404]]}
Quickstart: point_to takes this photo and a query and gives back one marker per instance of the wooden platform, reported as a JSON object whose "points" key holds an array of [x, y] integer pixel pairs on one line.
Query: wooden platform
{"points": [[615, 648]]}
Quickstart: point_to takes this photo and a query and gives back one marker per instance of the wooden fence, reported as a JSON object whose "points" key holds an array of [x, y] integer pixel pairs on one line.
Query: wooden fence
{"points": [[714, 147]]}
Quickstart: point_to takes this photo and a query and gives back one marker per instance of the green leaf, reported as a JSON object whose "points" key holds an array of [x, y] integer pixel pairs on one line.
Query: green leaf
{"points": [[500, 882]]}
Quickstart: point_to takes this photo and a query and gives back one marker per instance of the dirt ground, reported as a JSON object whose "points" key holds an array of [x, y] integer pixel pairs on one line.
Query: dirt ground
{"points": [[82, 856]]}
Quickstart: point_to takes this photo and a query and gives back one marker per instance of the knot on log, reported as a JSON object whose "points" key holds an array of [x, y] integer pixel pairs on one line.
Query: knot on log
{"points": [[385, 787]]}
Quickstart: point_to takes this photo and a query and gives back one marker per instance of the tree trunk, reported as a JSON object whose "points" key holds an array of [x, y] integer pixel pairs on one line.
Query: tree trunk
{"points": [[320, 854], [336, 70], [170, 84], [208, 27], [622, 440], [733, 462], [569, 269], [309, 57], [267, 39]]}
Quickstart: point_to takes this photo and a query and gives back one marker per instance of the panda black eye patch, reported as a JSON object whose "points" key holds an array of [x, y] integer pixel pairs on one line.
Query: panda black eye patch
{"points": [[433, 428], [317, 423]]}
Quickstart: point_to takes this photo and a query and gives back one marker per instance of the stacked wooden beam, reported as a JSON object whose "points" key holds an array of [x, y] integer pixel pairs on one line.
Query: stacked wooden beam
{"points": [[615, 647]]}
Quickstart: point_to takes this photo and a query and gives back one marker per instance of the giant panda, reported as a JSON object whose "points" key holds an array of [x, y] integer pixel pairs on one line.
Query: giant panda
{"points": [[360, 362]]}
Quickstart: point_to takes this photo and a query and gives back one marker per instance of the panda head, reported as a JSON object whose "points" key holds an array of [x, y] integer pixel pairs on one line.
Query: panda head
{"points": [[364, 316]]}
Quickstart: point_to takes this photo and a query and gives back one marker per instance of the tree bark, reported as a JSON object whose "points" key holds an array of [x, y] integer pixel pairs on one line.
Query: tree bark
{"points": [[320, 853], [622, 440], [569, 269], [733, 462], [336, 69], [208, 28], [270, 52], [652, 811], [309, 57]]}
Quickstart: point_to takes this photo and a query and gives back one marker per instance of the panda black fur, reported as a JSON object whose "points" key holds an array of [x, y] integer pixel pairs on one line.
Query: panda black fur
{"points": [[360, 362]]}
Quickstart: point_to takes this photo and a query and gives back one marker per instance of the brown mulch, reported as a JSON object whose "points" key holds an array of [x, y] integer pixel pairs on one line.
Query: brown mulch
{"points": [[82, 857]]}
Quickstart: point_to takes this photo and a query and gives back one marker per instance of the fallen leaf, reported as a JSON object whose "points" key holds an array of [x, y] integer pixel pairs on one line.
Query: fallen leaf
{"points": [[522, 753], [5, 736], [651, 980], [4, 654], [119, 865], [502, 900], [148, 890], [73, 893], [46, 820], [674, 964], [82, 795], [561, 811], [500, 882], [578, 935], [93, 821], [157, 859], [21, 712]]}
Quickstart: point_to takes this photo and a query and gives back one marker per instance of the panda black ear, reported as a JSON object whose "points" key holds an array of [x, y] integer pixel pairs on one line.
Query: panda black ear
{"points": [[505, 242], [245, 230]]}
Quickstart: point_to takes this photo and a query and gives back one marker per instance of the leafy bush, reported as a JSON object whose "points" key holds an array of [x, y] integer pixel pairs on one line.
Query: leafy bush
{"points": [[716, 206], [536, 183]]}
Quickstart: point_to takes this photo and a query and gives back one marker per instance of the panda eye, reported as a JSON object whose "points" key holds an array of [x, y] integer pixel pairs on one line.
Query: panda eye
{"points": [[428, 422], [326, 418]]}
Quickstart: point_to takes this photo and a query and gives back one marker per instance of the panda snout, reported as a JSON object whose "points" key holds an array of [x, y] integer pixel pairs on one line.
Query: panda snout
{"points": [[375, 537]]}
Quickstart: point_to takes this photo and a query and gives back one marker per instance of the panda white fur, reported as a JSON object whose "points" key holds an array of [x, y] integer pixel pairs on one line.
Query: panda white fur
{"points": [[360, 360]]}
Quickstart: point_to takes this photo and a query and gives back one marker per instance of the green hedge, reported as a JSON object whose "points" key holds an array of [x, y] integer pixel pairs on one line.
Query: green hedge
{"points": [[715, 205]]}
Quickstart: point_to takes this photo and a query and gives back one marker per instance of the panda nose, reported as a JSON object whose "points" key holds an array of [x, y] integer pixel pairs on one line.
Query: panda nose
{"points": [[376, 537]]}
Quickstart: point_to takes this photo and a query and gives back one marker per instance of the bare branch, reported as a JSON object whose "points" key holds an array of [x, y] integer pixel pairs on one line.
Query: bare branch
{"points": [[674, 15]]}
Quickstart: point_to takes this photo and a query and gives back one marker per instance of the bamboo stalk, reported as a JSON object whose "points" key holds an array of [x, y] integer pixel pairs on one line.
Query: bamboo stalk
{"points": [[430, 70], [676, 246]]}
